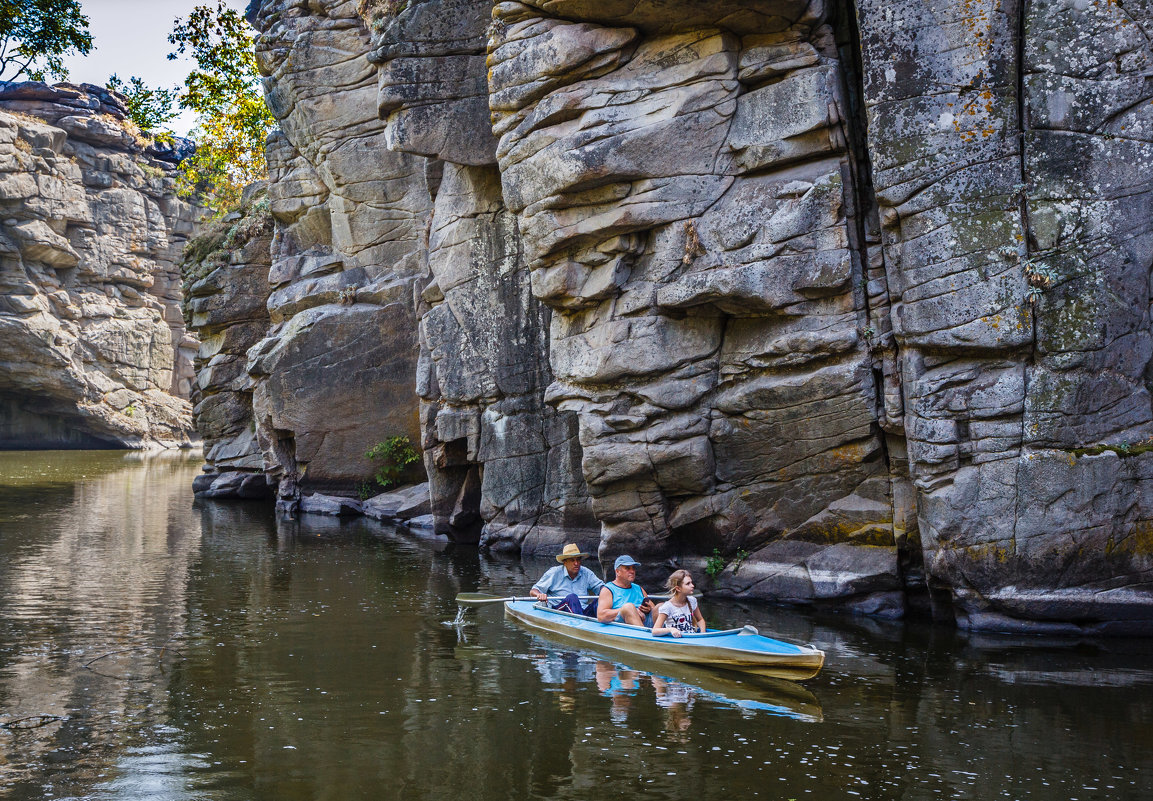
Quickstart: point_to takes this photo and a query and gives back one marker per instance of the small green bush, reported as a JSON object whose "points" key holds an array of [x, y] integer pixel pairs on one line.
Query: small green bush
{"points": [[393, 455], [715, 564]]}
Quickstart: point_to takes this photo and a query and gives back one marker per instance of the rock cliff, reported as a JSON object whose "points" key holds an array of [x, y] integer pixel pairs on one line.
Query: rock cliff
{"points": [[226, 300], [848, 303], [93, 343]]}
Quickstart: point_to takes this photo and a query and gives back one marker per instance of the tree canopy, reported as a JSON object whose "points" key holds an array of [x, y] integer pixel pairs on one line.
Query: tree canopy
{"points": [[224, 90], [35, 35], [149, 108]]}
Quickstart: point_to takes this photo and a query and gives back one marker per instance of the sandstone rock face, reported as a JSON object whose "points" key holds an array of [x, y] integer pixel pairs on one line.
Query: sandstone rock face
{"points": [[1015, 194], [226, 302], [854, 299], [334, 373], [93, 343], [503, 466], [691, 208]]}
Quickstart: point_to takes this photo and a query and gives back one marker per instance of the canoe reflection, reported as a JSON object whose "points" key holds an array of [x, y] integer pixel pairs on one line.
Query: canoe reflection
{"points": [[677, 688]]}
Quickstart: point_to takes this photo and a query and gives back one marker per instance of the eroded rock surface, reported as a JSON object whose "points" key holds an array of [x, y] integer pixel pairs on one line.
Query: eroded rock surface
{"points": [[93, 349], [226, 304], [852, 298], [686, 194], [334, 374], [1015, 193], [503, 466]]}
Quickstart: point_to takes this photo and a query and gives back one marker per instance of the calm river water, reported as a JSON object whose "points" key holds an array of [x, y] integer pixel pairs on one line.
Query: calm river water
{"points": [[153, 647]]}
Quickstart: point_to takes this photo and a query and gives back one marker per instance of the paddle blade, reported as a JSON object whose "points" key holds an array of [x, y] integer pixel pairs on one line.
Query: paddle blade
{"points": [[479, 599]]}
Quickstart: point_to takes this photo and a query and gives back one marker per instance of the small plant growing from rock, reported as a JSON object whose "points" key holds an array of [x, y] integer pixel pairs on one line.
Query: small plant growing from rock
{"points": [[347, 296], [693, 246], [393, 455], [741, 556], [1039, 276], [376, 13], [715, 564]]}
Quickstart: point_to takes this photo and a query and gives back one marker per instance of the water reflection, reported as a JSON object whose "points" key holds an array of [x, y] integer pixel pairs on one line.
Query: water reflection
{"points": [[159, 648], [671, 687], [94, 577]]}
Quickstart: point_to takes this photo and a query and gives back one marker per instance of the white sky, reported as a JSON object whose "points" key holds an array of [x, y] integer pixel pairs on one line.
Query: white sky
{"points": [[130, 37]]}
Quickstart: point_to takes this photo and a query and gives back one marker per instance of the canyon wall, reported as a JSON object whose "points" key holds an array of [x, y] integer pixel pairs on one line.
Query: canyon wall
{"points": [[847, 303], [93, 348]]}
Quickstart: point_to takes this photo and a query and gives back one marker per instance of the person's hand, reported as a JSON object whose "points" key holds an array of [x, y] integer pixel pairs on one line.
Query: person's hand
{"points": [[676, 632], [646, 607]]}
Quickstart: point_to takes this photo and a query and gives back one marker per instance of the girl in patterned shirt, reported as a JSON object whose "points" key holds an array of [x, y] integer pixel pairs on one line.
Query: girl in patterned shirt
{"points": [[680, 614]]}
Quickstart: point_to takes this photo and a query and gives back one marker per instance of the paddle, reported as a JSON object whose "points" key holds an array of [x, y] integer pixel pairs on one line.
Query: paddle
{"points": [[482, 599]]}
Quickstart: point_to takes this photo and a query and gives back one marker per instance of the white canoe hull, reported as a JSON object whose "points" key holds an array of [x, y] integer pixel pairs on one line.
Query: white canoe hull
{"points": [[729, 650]]}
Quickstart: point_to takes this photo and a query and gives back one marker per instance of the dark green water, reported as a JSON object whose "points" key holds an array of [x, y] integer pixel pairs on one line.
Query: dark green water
{"points": [[155, 648]]}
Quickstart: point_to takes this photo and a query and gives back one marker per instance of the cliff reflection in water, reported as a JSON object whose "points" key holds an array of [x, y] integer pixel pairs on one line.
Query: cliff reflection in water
{"points": [[94, 561], [157, 648]]}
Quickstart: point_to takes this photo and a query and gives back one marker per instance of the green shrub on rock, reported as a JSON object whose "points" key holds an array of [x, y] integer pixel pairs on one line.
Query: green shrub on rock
{"points": [[393, 455]]}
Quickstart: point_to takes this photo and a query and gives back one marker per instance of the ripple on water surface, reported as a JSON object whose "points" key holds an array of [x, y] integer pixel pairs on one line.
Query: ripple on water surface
{"points": [[156, 647]]}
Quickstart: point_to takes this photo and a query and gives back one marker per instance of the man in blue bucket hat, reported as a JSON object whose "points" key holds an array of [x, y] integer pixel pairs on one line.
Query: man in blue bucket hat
{"points": [[621, 600]]}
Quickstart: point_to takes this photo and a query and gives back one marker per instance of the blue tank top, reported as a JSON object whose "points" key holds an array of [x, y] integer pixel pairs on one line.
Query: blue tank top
{"points": [[633, 595]]}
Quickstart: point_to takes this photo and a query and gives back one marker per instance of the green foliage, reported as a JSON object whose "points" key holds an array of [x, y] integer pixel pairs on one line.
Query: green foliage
{"points": [[224, 90], [715, 564], [394, 454], [35, 35], [365, 490], [739, 559], [1122, 449], [149, 108]]}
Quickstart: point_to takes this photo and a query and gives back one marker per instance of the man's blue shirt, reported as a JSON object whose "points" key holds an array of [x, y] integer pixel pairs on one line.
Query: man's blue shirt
{"points": [[556, 583]]}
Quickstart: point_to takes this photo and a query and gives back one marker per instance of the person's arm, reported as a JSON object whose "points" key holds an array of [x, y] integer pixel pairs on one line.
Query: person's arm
{"points": [[699, 619], [605, 611], [538, 590], [660, 628]]}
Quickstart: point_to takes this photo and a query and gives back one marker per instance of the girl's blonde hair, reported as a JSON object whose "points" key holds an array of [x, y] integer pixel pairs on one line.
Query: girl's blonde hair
{"points": [[676, 579]]}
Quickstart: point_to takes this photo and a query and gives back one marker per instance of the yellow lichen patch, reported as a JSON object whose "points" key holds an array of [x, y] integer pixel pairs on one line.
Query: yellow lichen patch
{"points": [[988, 552], [877, 534], [1137, 542]]}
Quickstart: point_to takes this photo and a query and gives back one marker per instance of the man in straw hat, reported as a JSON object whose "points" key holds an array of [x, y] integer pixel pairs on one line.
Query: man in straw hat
{"points": [[562, 586]]}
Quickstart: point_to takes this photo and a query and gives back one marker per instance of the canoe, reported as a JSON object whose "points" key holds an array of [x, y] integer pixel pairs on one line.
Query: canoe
{"points": [[743, 649]]}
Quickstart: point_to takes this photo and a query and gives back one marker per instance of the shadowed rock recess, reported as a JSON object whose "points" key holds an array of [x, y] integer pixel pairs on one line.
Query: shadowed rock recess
{"points": [[93, 349], [849, 304]]}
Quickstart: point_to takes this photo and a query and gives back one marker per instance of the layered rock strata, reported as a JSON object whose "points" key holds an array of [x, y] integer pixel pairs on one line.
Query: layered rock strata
{"points": [[854, 299], [686, 196], [1012, 173], [226, 290], [94, 347], [504, 467], [334, 374]]}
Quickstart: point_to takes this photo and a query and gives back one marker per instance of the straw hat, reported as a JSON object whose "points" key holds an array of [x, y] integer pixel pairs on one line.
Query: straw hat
{"points": [[571, 552]]}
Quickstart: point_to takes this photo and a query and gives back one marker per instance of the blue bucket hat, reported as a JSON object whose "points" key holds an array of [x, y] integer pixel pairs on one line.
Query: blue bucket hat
{"points": [[623, 560]]}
